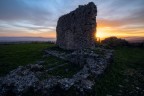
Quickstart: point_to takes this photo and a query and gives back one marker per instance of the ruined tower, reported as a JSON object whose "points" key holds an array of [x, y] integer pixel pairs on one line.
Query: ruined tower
{"points": [[76, 30]]}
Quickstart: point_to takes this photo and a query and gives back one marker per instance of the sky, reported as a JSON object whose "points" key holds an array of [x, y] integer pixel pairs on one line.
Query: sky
{"points": [[38, 18]]}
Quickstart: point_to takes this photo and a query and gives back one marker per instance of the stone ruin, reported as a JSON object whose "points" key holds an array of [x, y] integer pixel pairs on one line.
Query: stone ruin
{"points": [[77, 29], [34, 77], [74, 31]]}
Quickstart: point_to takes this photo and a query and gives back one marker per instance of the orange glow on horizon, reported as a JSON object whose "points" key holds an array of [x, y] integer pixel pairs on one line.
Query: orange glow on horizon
{"points": [[19, 34], [104, 31]]}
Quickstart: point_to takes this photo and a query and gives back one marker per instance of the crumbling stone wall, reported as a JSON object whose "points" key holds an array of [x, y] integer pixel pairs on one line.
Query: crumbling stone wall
{"points": [[76, 30]]}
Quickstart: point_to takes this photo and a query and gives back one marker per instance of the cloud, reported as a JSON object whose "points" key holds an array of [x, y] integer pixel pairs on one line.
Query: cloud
{"points": [[131, 12], [19, 10], [40, 16]]}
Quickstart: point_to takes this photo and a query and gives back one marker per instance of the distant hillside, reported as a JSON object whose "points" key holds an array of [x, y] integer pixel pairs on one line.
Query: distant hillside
{"points": [[134, 39], [25, 39]]}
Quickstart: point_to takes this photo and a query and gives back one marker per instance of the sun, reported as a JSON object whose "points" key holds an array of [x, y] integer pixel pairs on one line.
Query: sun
{"points": [[99, 34], [102, 33]]}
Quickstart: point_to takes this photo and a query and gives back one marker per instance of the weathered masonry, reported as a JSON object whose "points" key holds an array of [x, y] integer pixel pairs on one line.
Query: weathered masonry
{"points": [[77, 29]]}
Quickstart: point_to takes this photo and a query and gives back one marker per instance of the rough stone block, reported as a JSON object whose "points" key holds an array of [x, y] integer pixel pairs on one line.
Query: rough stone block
{"points": [[77, 29]]}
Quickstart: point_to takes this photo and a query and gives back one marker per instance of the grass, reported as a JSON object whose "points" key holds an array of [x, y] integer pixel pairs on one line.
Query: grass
{"points": [[60, 67], [14, 55], [68, 70], [125, 77]]}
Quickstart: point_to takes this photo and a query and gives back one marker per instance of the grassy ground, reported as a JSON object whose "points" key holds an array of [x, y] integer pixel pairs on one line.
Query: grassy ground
{"points": [[125, 77], [60, 67], [14, 55]]}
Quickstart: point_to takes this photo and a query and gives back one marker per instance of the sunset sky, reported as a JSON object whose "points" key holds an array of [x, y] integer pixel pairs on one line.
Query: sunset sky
{"points": [[38, 18]]}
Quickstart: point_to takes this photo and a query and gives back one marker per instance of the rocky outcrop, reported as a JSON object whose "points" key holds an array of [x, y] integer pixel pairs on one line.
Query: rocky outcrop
{"points": [[76, 30], [27, 79]]}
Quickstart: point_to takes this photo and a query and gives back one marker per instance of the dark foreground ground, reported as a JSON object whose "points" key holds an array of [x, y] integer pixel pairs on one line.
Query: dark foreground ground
{"points": [[125, 77]]}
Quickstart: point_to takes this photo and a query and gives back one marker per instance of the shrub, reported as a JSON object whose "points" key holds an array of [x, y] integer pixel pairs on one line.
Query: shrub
{"points": [[114, 42]]}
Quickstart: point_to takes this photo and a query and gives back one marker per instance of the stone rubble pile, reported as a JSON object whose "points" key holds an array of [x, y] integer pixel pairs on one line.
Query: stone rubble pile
{"points": [[26, 78]]}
